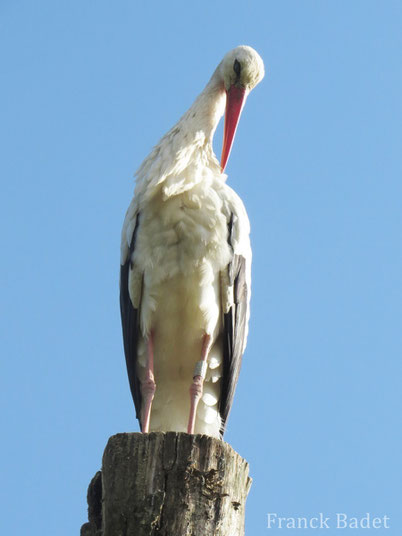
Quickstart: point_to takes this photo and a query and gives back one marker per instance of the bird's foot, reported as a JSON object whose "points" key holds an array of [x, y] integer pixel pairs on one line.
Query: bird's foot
{"points": [[148, 388], [196, 390]]}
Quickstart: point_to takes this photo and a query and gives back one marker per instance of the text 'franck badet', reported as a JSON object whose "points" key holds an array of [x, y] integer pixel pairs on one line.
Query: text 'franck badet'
{"points": [[320, 521]]}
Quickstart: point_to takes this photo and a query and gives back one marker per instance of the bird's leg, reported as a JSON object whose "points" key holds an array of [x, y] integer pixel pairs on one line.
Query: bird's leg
{"points": [[198, 382], [148, 386]]}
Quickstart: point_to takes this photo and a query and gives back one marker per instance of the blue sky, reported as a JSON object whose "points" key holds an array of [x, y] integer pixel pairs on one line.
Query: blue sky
{"points": [[87, 89]]}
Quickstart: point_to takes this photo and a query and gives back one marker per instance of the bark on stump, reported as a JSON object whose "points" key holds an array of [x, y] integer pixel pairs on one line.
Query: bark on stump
{"points": [[168, 484]]}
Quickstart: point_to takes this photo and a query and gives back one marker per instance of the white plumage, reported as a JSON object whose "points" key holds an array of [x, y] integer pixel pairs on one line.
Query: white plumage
{"points": [[176, 255]]}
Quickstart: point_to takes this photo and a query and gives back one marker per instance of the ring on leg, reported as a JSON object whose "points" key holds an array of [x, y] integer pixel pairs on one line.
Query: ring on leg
{"points": [[196, 388]]}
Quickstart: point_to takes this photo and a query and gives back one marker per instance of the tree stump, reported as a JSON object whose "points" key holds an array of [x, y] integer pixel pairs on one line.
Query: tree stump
{"points": [[168, 484]]}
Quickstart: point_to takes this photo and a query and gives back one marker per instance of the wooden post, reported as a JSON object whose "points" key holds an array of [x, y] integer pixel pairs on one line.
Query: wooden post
{"points": [[168, 484]]}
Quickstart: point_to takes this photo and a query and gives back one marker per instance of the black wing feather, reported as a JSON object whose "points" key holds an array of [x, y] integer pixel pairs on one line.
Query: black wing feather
{"points": [[130, 325], [234, 328]]}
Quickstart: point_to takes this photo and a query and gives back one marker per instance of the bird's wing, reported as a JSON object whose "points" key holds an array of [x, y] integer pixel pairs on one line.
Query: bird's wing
{"points": [[236, 289], [130, 312]]}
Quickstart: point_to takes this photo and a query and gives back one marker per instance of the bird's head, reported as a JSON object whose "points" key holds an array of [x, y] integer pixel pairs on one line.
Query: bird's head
{"points": [[242, 67], [241, 70]]}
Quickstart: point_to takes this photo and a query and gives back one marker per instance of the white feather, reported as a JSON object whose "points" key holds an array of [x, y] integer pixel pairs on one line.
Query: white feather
{"points": [[180, 254]]}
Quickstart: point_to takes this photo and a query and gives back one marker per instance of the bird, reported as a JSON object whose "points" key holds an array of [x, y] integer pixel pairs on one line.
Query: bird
{"points": [[185, 266]]}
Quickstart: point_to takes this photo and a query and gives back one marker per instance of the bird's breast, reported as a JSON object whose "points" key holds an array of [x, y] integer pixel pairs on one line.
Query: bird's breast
{"points": [[180, 235], [181, 248]]}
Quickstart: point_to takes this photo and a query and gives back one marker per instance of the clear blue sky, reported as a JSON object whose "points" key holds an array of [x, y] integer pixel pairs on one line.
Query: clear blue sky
{"points": [[87, 88]]}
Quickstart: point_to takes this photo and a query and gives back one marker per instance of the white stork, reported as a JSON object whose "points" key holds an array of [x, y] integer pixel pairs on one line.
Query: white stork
{"points": [[185, 265]]}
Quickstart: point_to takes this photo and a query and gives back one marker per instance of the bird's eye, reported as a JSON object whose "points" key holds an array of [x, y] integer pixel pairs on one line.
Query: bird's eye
{"points": [[237, 67]]}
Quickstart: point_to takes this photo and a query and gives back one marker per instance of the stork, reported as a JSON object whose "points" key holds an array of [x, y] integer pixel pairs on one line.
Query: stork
{"points": [[185, 265]]}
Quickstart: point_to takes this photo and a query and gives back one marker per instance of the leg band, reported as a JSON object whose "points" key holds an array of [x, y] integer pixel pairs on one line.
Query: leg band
{"points": [[200, 369]]}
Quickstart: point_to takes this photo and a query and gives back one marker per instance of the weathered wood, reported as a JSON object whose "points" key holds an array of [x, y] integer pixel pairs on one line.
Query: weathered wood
{"points": [[94, 499], [172, 484]]}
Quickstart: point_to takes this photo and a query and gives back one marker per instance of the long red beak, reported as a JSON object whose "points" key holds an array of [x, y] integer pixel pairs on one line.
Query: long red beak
{"points": [[235, 99]]}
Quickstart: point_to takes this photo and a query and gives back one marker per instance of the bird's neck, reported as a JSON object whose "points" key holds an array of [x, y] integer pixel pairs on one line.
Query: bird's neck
{"points": [[206, 111], [184, 157]]}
